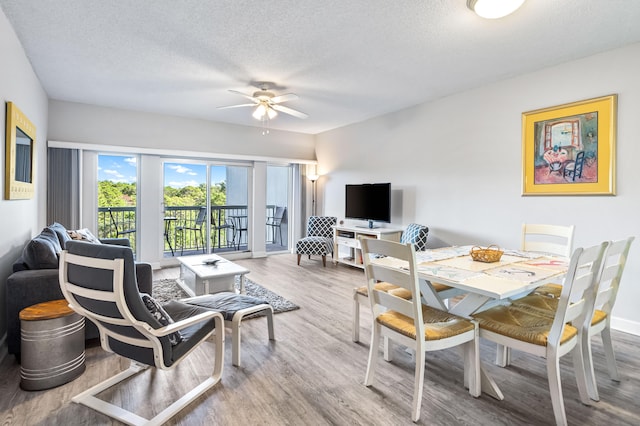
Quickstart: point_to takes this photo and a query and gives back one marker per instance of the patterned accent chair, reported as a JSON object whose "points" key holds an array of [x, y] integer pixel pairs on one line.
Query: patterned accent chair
{"points": [[417, 235], [319, 239]]}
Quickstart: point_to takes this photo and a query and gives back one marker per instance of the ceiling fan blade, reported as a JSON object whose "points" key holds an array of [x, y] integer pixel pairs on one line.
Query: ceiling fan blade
{"points": [[251, 98], [289, 111], [284, 98], [237, 106]]}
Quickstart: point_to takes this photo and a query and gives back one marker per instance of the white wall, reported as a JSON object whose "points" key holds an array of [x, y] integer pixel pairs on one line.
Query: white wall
{"points": [[20, 219], [456, 163], [74, 122]]}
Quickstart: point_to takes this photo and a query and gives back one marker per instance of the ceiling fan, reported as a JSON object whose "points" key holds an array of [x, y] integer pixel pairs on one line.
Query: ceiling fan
{"points": [[267, 104]]}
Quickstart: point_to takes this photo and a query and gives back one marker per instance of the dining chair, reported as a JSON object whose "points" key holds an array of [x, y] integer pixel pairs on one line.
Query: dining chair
{"points": [[275, 222], [411, 323], [552, 239], [545, 239], [415, 234], [548, 239], [600, 323], [119, 226], [98, 281], [240, 226], [551, 337], [196, 229]]}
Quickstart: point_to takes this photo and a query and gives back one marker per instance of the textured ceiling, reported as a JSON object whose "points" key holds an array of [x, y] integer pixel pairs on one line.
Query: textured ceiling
{"points": [[347, 60]]}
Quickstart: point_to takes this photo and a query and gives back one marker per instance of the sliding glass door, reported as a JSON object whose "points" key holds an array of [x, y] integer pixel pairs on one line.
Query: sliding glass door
{"points": [[279, 180], [185, 205], [206, 209], [117, 195], [230, 219]]}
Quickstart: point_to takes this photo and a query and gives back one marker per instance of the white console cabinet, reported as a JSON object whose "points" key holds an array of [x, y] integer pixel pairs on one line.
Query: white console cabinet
{"points": [[347, 247]]}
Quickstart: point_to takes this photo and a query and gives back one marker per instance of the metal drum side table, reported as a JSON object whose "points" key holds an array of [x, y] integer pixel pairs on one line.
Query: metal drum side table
{"points": [[52, 345]]}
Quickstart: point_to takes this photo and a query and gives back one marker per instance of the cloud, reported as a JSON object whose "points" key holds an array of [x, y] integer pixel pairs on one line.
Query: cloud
{"points": [[132, 161], [181, 169], [115, 173], [182, 184]]}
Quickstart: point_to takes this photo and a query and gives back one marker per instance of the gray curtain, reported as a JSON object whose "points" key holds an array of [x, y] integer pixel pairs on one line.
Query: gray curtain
{"points": [[63, 187]]}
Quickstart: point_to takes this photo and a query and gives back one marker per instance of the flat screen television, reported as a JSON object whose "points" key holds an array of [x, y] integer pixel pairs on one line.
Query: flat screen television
{"points": [[370, 201]]}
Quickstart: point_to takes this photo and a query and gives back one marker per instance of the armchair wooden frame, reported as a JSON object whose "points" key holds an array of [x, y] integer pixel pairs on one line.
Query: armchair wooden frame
{"points": [[150, 338]]}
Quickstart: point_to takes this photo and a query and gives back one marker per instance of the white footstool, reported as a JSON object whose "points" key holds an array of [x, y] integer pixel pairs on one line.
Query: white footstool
{"points": [[234, 307]]}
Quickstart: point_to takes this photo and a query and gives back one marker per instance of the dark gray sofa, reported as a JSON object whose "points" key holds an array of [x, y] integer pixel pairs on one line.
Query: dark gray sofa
{"points": [[35, 279]]}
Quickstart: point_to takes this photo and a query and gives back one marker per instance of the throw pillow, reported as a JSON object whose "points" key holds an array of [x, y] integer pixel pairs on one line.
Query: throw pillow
{"points": [[162, 316], [61, 233], [83, 235], [42, 251], [416, 234]]}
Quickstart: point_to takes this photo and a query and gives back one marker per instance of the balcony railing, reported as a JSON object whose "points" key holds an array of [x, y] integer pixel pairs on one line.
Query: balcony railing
{"points": [[226, 224]]}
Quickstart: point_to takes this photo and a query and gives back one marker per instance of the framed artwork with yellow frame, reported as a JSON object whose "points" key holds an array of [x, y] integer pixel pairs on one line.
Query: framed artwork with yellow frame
{"points": [[20, 152], [570, 149]]}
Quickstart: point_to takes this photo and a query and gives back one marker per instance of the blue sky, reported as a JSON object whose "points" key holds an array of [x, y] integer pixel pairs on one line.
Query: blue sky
{"points": [[118, 168]]}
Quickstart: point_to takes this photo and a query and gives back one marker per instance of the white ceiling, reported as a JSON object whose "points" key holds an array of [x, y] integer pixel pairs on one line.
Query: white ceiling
{"points": [[348, 60]]}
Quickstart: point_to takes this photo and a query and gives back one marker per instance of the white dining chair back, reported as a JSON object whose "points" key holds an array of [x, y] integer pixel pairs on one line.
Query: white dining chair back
{"points": [[551, 239], [408, 322], [552, 337], [607, 291]]}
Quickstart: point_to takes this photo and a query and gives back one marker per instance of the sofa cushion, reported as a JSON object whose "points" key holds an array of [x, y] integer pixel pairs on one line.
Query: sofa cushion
{"points": [[61, 233], [42, 251]]}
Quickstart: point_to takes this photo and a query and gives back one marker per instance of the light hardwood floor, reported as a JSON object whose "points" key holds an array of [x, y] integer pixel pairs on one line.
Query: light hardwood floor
{"points": [[313, 373]]}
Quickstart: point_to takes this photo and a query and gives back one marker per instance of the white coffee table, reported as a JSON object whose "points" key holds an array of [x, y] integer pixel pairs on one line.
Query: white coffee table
{"points": [[197, 278]]}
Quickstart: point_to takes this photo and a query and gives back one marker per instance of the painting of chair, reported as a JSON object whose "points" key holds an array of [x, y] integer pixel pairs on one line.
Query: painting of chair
{"points": [[573, 169]]}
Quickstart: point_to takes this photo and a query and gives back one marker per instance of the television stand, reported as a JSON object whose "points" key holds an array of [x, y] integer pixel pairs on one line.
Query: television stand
{"points": [[345, 239], [370, 226]]}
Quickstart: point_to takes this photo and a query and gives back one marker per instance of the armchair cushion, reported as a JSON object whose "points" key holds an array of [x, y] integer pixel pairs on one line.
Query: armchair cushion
{"points": [[319, 239]]}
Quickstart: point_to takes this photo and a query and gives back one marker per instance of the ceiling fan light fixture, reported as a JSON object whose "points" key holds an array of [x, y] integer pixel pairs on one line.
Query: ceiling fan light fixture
{"points": [[494, 9], [271, 113], [259, 112]]}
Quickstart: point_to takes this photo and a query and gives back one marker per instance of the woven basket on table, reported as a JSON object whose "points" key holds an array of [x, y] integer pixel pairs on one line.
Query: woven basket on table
{"points": [[487, 255]]}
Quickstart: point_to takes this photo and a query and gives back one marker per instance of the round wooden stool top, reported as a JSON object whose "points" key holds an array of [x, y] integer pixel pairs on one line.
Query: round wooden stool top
{"points": [[46, 310]]}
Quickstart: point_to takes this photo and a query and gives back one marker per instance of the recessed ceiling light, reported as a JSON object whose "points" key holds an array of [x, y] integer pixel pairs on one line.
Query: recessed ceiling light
{"points": [[494, 9]]}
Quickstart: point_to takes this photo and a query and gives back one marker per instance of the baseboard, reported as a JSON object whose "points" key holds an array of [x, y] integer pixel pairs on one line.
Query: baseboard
{"points": [[625, 326]]}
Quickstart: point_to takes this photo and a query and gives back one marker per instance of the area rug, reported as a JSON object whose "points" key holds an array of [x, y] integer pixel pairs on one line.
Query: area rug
{"points": [[169, 289]]}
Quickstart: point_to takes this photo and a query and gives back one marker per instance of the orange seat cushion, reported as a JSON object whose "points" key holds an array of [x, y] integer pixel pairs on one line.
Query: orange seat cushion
{"points": [[382, 286], [520, 324], [547, 306], [394, 290], [549, 290], [438, 324]]}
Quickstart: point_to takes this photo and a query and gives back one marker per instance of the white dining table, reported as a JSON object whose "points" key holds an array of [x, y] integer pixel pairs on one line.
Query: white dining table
{"points": [[480, 285]]}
